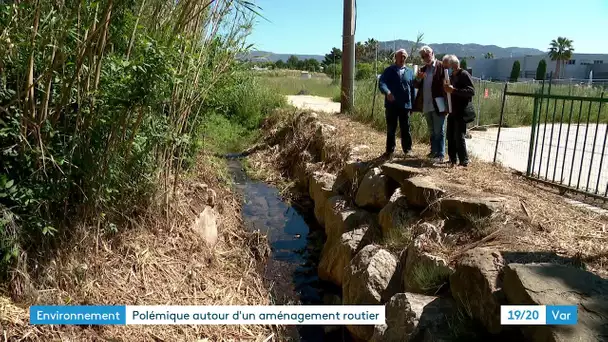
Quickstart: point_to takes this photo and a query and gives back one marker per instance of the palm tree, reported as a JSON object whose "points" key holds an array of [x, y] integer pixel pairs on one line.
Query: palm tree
{"points": [[560, 51], [488, 55]]}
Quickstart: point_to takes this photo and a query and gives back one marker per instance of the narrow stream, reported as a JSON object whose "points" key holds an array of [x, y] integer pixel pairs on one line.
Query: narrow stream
{"points": [[296, 240]]}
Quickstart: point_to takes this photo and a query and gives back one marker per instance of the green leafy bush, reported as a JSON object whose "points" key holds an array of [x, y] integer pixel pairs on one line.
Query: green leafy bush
{"points": [[96, 117]]}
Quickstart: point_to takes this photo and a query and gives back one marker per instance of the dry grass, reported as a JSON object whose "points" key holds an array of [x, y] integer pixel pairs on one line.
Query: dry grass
{"points": [[534, 219], [159, 261]]}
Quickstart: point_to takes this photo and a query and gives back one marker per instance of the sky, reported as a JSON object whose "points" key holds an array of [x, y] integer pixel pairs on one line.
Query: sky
{"points": [[315, 26]]}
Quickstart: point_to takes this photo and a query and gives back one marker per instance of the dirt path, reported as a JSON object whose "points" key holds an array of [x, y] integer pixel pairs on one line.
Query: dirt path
{"points": [[314, 103], [545, 221]]}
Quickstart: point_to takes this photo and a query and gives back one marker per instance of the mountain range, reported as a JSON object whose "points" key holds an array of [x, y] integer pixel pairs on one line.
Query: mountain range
{"points": [[461, 50], [464, 50]]}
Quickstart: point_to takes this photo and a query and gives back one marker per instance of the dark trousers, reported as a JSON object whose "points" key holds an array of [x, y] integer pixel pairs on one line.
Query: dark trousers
{"points": [[401, 116], [457, 146]]}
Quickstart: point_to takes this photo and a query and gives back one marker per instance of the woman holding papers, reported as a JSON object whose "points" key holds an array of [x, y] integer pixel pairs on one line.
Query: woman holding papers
{"points": [[461, 90]]}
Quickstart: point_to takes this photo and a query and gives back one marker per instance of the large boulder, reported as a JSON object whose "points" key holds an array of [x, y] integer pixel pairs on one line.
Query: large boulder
{"points": [[350, 177], [300, 169], [421, 191], [395, 214], [206, 226], [341, 217], [423, 272], [470, 207], [552, 284], [336, 255], [320, 190], [476, 285], [323, 136], [415, 317], [366, 282], [375, 189], [400, 173]]}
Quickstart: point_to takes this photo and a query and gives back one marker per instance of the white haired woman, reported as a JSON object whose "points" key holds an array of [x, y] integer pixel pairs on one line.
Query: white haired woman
{"points": [[462, 91]]}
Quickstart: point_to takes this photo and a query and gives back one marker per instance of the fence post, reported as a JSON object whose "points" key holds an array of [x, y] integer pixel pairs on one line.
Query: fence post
{"points": [[532, 135], [479, 102], [502, 112]]}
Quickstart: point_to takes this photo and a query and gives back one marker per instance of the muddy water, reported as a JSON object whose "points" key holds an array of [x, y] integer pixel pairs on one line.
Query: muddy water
{"points": [[296, 240]]}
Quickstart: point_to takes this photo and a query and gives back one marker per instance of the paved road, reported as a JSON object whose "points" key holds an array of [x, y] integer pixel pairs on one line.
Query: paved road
{"points": [[559, 158]]}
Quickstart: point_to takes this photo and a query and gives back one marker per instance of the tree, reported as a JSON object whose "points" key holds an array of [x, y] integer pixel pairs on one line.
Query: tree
{"points": [[463, 64], [333, 70], [364, 71], [515, 71], [334, 56], [488, 55], [560, 51], [292, 62], [280, 64], [300, 65], [541, 70], [311, 64]]}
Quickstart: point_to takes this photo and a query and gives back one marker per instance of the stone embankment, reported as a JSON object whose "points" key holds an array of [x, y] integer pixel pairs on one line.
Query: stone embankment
{"points": [[430, 295]]}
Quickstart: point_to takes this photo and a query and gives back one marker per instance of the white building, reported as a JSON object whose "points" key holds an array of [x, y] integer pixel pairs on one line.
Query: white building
{"points": [[578, 67]]}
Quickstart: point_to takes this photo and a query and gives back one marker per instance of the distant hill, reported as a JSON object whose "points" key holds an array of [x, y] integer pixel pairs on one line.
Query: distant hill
{"points": [[262, 56], [465, 50], [461, 50]]}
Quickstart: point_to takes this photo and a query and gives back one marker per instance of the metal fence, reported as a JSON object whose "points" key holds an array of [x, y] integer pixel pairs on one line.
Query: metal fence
{"points": [[553, 135]]}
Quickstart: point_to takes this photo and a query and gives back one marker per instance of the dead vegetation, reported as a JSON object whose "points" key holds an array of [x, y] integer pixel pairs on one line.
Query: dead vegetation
{"points": [[160, 260], [533, 219]]}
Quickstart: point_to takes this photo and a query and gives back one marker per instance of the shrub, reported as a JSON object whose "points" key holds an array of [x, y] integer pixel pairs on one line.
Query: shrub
{"points": [[515, 71], [110, 114], [541, 70], [364, 71]]}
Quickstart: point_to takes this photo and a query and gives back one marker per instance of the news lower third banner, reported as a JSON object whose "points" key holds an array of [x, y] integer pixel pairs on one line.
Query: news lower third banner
{"points": [[208, 315]]}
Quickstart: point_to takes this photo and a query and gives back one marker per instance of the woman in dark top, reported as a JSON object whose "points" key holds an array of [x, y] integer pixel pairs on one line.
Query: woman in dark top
{"points": [[462, 91]]}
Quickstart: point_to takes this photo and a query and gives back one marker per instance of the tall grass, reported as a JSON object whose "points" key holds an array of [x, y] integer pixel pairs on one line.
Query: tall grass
{"points": [[371, 111], [290, 83], [105, 103], [518, 110]]}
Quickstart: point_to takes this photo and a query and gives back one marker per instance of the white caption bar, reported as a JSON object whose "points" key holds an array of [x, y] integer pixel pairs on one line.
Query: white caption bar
{"points": [[278, 315], [523, 315]]}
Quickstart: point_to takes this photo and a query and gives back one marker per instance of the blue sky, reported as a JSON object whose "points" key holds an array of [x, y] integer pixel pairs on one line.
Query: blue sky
{"points": [[315, 26]]}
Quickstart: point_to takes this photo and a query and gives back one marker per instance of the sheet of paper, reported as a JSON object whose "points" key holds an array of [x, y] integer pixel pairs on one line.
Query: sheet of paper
{"points": [[440, 104], [447, 80]]}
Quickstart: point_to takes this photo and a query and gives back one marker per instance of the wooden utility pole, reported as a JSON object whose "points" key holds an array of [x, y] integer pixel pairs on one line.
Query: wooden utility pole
{"points": [[348, 58]]}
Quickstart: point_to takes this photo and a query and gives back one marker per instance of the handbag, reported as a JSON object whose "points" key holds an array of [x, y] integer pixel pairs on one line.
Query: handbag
{"points": [[469, 113]]}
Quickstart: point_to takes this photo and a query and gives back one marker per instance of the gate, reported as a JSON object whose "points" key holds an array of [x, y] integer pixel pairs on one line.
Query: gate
{"points": [[568, 137]]}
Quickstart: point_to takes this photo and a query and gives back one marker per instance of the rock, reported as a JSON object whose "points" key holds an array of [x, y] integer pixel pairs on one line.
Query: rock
{"points": [[340, 217], [300, 170], [552, 284], [414, 317], [395, 214], [421, 191], [350, 177], [423, 272], [470, 207], [336, 255], [211, 198], [375, 190], [476, 285], [331, 299], [320, 190], [323, 136], [429, 231], [206, 226], [366, 282], [399, 172], [360, 148]]}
